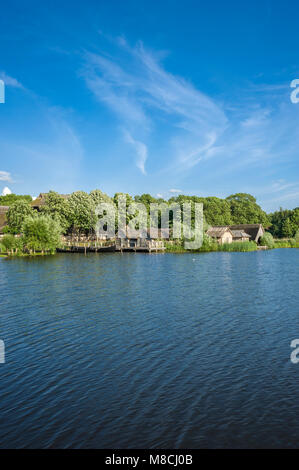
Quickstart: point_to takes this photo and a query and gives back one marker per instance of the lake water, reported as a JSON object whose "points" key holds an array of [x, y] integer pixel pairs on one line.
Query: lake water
{"points": [[154, 351]]}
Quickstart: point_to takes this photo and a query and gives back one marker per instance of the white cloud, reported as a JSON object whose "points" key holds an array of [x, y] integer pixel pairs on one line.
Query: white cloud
{"points": [[141, 151], [136, 98], [6, 191], [254, 129], [5, 176], [175, 191], [276, 193], [10, 81]]}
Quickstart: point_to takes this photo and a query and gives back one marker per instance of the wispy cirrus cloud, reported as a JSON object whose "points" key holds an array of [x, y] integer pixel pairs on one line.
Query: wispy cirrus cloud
{"points": [[280, 191], [141, 151], [174, 127], [139, 91], [10, 81], [143, 95], [5, 176]]}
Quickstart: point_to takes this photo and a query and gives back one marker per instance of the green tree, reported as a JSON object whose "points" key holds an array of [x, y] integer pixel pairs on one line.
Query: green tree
{"points": [[58, 208], [277, 219], [287, 228], [41, 233], [82, 212], [129, 201], [245, 210], [295, 219], [98, 197], [16, 215], [216, 211], [280, 226], [9, 199], [147, 200]]}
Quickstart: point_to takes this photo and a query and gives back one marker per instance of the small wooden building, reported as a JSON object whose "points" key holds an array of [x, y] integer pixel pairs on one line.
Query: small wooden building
{"points": [[40, 201], [139, 244], [255, 231], [222, 234], [240, 236]]}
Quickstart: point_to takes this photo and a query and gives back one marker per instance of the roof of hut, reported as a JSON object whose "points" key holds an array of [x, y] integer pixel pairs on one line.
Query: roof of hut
{"points": [[240, 234], [254, 230], [41, 199], [217, 231]]}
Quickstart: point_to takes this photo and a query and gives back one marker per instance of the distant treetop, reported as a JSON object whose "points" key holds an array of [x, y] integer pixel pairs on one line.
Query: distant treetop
{"points": [[9, 199]]}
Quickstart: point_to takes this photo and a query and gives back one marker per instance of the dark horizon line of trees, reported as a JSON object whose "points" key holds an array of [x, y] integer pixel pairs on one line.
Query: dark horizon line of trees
{"points": [[76, 212]]}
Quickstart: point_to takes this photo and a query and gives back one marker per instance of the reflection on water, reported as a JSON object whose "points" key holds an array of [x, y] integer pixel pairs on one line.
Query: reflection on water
{"points": [[163, 350]]}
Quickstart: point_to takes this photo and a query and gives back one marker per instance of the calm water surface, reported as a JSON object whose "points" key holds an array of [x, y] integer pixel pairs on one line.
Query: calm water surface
{"points": [[161, 351]]}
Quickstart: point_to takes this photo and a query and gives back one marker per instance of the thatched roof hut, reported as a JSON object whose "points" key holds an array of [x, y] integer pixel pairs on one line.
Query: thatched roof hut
{"points": [[41, 200], [256, 231], [222, 234], [240, 235]]}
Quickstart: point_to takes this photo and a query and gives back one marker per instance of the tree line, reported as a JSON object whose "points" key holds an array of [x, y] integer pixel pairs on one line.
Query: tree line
{"points": [[42, 230]]}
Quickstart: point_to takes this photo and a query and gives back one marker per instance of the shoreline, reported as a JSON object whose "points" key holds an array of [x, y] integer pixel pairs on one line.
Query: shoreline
{"points": [[175, 252]]}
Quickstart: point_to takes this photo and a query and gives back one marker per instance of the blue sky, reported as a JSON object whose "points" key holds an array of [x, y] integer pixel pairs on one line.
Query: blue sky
{"points": [[157, 97]]}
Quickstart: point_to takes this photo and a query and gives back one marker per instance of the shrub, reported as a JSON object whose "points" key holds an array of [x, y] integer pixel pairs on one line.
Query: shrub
{"points": [[267, 240], [174, 248], [9, 243], [41, 233]]}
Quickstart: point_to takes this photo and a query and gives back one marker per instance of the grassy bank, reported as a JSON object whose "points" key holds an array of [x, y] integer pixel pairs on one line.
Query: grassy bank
{"points": [[213, 247], [169, 248], [238, 246], [22, 255], [241, 247], [18, 253], [286, 243]]}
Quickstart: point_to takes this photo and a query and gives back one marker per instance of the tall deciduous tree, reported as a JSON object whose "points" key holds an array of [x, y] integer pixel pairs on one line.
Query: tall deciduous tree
{"points": [[287, 228], [280, 227], [16, 215], [82, 212], [245, 210], [98, 197], [58, 208]]}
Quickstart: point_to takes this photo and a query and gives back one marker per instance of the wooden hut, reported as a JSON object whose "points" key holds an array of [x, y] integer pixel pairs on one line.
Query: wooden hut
{"points": [[255, 231], [40, 201], [222, 234], [139, 244], [240, 236]]}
